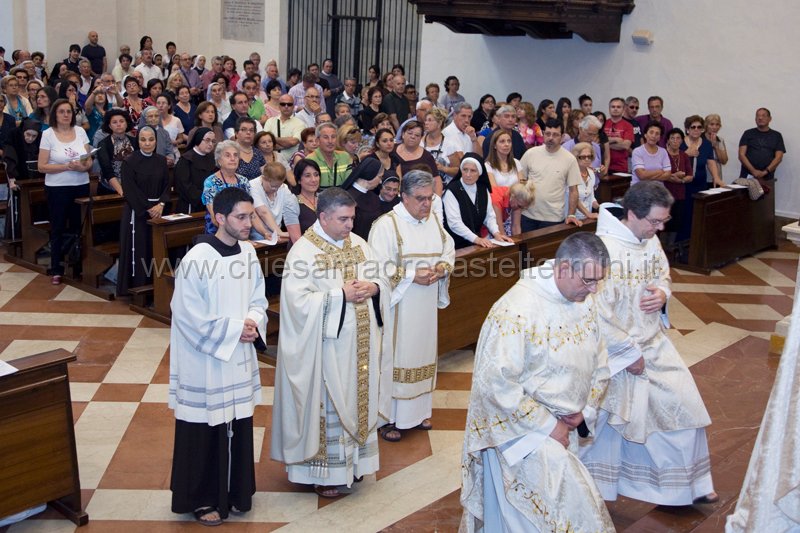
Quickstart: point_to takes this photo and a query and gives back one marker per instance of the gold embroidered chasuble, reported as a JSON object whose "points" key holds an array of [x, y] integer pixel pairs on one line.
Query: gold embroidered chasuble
{"points": [[328, 349], [539, 357]]}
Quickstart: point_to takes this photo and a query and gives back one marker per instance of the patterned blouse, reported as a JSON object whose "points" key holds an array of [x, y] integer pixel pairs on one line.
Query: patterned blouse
{"points": [[252, 169], [211, 186]]}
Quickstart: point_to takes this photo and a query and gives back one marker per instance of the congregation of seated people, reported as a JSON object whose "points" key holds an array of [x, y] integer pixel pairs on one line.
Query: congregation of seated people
{"points": [[500, 168]]}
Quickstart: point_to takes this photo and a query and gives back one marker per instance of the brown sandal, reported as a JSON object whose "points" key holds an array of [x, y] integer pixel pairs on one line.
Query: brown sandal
{"points": [[425, 425], [327, 491], [390, 433]]}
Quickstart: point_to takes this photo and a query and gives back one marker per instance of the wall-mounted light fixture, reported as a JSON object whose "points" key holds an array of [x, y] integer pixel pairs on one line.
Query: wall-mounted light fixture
{"points": [[644, 37]]}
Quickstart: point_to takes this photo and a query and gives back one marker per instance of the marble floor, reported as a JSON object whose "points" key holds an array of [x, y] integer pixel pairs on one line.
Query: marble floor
{"points": [[721, 326]]}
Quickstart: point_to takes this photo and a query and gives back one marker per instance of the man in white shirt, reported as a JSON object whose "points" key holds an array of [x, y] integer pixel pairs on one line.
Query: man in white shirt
{"points": [[87, 80], [149, 70], [459, 136], [286, 127], [298, 92], [311, 107]]}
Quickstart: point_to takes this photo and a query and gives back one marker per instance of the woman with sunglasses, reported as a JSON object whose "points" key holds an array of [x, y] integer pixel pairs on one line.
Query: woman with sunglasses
{"points": [[701, 155], [587, 205]]}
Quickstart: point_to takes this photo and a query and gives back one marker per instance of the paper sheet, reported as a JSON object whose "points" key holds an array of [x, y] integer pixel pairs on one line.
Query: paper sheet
{"points": [[272, 241], [176, 216], [6, 369]]}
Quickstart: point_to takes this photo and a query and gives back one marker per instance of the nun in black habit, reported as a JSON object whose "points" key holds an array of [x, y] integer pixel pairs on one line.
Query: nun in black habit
{"points": [[146, 181], [195, 165], [361, 184]]}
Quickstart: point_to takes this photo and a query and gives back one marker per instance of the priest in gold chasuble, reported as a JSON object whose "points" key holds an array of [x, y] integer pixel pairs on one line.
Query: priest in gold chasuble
{"points": [[333, 298]]}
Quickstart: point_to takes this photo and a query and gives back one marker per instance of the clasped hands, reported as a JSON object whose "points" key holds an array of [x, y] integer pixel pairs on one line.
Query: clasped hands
{"points": [[249, 331], [564, 425], [358, 291], [428, 276]]}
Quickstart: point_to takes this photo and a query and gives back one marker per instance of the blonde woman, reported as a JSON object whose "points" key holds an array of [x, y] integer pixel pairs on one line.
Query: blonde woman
{"points": [[713, 125], [348, 139]]}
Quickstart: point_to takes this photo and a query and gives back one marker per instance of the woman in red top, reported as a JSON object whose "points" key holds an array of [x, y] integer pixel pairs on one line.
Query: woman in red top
{"points": [[681, 168], [229, 70]]}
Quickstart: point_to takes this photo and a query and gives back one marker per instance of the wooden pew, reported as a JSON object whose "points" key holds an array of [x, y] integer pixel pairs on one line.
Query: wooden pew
{"points": [[170, 235], [34, 235], [727, 226], [35, 228], [13, 243], [37, 438], [97, 256], [483, 275], [479, 279], [614, 186], [539, 245]]}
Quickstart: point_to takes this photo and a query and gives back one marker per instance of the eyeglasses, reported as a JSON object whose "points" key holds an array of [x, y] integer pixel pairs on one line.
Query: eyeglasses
{"points": [[589, 283], [586, 157], [286, 104], [423, 199], [655, 222], [634, 107], [695, 127]]}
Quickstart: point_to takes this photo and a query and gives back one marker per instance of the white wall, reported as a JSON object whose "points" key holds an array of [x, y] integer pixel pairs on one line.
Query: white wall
{"points": [[726, 57]]}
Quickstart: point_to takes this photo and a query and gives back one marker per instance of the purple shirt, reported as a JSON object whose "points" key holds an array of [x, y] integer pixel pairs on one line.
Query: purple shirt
{"points": [[192, 78], [641, 158]]}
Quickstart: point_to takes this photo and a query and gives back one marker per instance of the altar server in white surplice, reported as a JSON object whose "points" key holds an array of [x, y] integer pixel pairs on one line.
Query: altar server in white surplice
{"points": [[218, 313], [419, 255], [333, 300], [540, 371], [651, 443]]}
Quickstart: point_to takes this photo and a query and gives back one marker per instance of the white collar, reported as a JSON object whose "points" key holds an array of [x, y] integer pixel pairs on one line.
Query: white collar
{"points": [[358, 187], [403, 213], [470, 188], [319, 231]]}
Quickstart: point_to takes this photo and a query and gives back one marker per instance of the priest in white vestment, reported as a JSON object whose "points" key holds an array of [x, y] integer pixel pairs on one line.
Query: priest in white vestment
{"points": [[770, 496], [540, 371], [218, 312], [333, 300], [651, 443], [419, 255]]}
